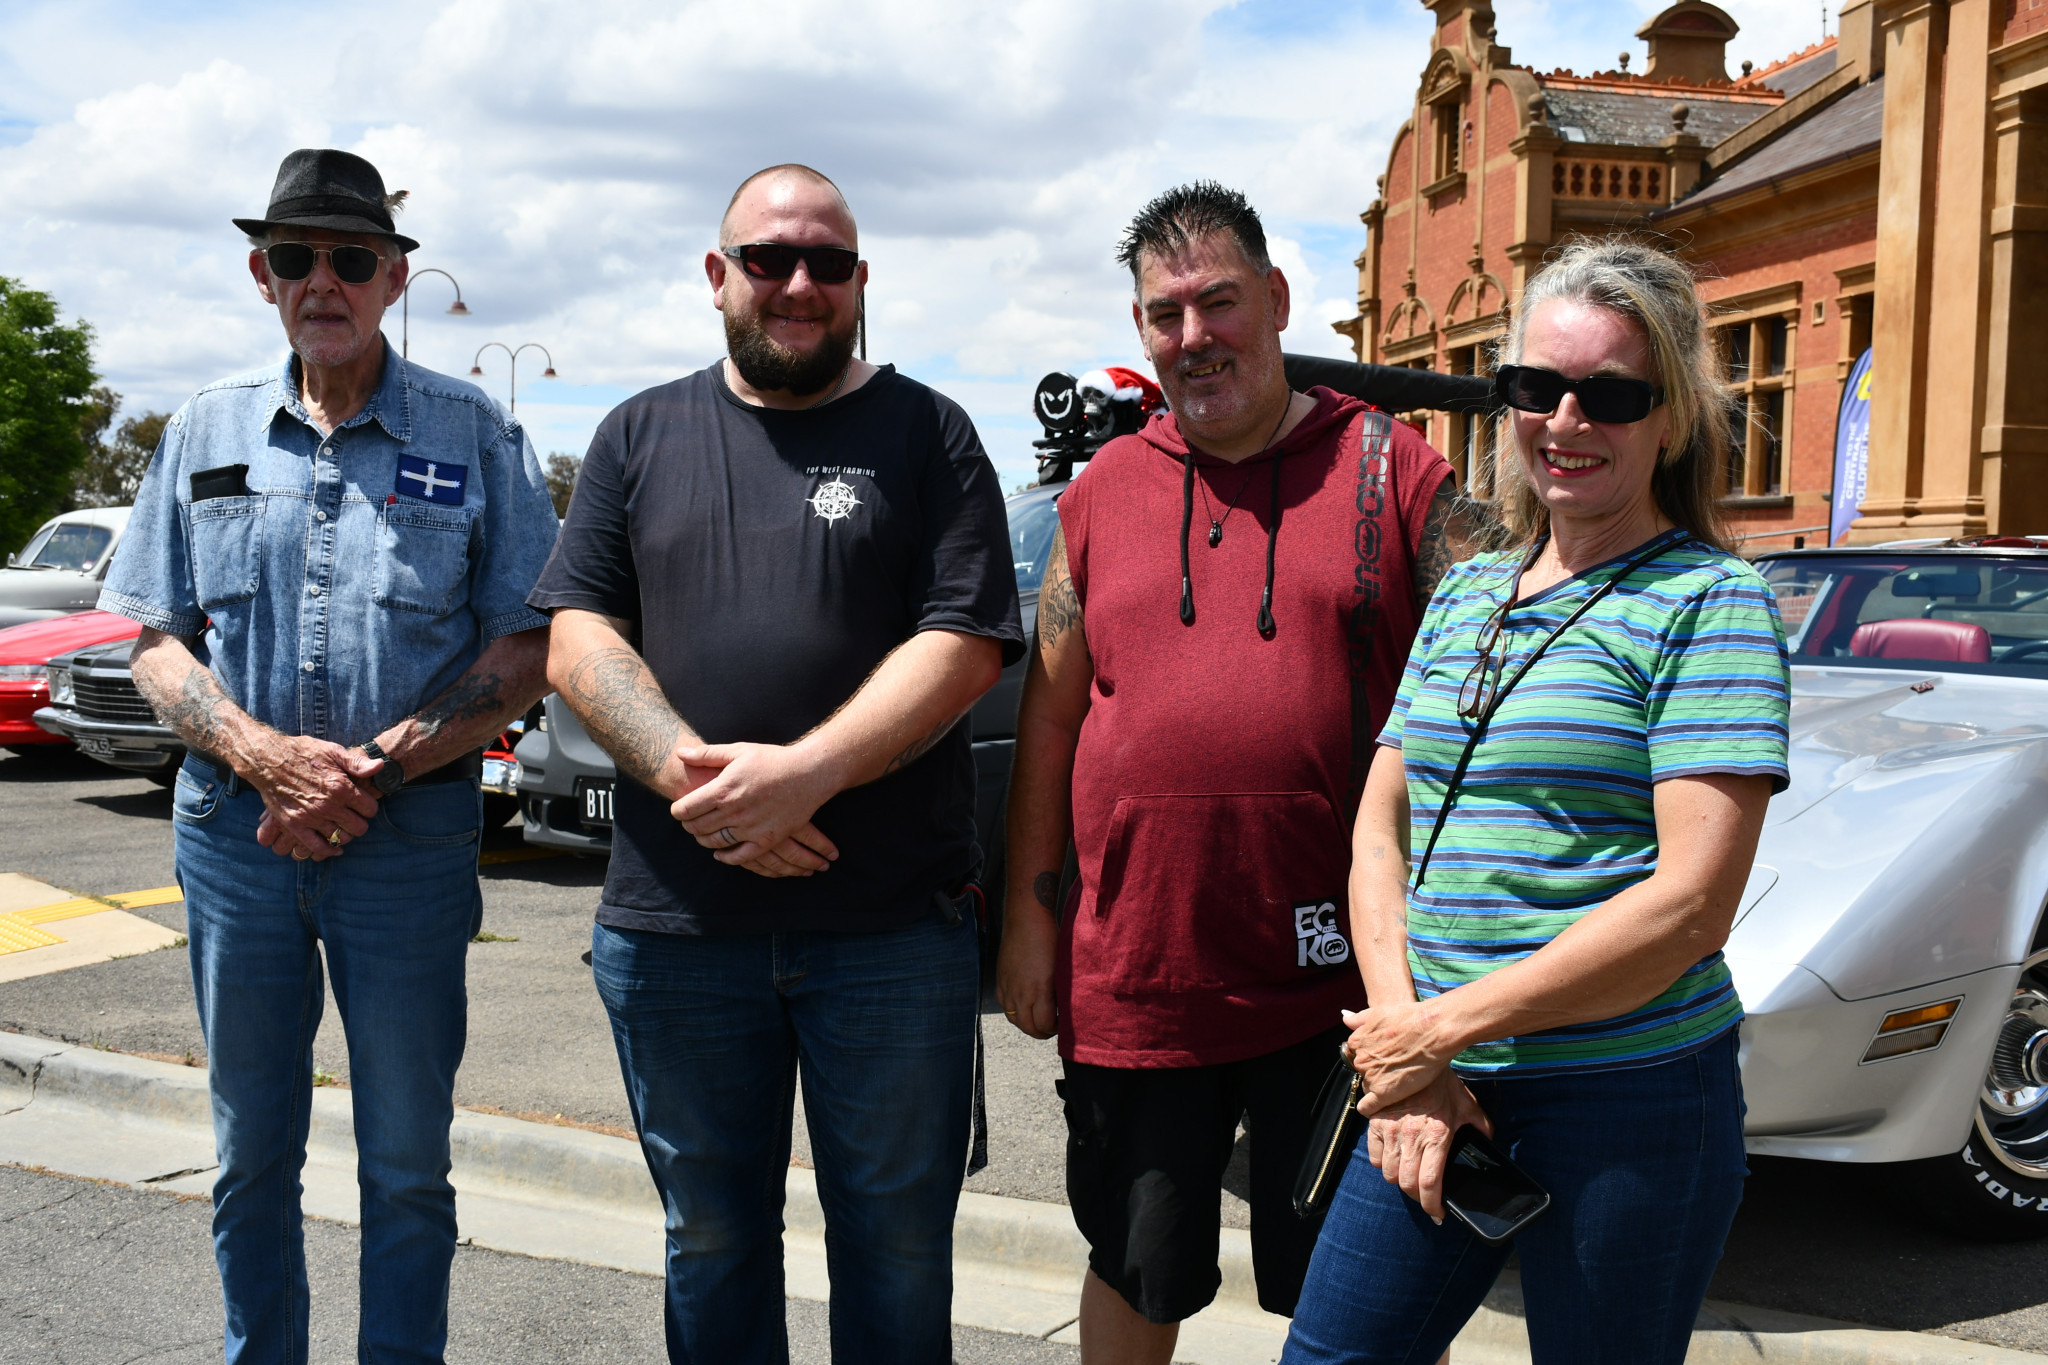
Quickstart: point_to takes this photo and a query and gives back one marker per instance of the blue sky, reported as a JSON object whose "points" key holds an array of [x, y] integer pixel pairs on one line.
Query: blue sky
{"points": [[568, 165]]}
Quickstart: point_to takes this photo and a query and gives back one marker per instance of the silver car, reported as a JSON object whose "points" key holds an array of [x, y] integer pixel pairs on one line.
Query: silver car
{"points": [[564, 783], [1890, 947], [62, 566]]}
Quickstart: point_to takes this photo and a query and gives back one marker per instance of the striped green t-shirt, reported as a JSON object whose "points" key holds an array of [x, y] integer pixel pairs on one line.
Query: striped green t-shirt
{"points": [[1679, 670]]}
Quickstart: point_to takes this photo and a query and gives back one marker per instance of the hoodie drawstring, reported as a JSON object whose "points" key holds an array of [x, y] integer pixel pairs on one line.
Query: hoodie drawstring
{"points": [[1266, 626], [1187, 526]]}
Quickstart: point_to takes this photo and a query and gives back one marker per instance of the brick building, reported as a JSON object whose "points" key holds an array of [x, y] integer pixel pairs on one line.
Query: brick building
{"points": [[1806, 192]]}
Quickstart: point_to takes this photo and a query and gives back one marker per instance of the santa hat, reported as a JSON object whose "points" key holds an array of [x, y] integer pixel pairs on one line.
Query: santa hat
{"points": [[1125, 386]]}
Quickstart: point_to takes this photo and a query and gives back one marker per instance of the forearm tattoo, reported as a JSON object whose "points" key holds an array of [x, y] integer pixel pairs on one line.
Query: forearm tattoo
{"points": [[919, 748], [1454, 529], [474, 696], [195, 710], [1059, 606], [1046, 887], [619, 702]]}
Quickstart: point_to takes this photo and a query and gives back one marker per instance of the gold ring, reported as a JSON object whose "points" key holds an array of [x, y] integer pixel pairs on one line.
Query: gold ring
{"points": [[334, 837]]}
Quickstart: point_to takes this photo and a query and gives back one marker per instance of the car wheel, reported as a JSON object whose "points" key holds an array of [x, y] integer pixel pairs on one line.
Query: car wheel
{"points": [[499, 809], [1996, 1187]]}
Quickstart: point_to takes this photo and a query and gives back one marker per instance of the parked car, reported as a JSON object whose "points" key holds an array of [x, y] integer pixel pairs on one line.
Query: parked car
{"points": [[62, 566], [94, 704], [1890, 947], [25, 654]]}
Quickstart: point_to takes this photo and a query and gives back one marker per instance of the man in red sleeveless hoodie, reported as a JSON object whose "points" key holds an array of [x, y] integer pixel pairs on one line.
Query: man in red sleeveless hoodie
{"points": [[1229, 603]]}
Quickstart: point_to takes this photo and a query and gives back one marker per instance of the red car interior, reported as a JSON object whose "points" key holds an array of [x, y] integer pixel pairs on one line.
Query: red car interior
{"points": [[1913, 638]]}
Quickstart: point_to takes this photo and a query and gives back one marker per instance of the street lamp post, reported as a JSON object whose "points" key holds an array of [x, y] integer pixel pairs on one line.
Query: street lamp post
{"points": [[458, 308], [476, 367]]}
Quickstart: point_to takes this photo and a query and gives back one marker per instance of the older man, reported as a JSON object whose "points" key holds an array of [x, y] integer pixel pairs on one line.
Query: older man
{"points": [[330, 560], [783, 581], [1229, 601]]}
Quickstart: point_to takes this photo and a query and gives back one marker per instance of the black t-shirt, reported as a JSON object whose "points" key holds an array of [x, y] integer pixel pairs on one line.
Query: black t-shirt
{"points": [[769, 561]]}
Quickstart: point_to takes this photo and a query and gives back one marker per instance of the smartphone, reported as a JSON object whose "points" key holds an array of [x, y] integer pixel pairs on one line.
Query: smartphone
{"points": [[1489, 1193]]}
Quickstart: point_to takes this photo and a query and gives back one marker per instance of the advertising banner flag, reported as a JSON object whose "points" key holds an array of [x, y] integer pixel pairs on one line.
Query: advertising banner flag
{"points": [[1852, 450]]}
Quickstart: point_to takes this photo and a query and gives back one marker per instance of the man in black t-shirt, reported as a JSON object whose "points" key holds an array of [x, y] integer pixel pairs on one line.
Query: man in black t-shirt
{"points": [[782, 583]]}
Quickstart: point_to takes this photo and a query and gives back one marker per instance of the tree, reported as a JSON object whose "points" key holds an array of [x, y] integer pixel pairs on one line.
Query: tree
{"points": [[113, 470], [561, 476], [46, 381]]}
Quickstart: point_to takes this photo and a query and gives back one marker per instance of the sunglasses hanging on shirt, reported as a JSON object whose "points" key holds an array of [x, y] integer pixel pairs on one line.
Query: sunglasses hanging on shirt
{"points": [[777, 261], [1602, 397], [294, 261]]}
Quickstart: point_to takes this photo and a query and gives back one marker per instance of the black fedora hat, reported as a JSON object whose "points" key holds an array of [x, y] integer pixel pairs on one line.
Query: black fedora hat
{"points": [[324, 188]]}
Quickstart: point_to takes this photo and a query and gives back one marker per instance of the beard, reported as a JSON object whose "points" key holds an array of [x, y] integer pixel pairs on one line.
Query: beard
{"points": [[768, 365]]}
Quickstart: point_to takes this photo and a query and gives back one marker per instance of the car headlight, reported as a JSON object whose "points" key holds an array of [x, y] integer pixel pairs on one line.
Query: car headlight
{"points": [[60, 687], [28, 673]]}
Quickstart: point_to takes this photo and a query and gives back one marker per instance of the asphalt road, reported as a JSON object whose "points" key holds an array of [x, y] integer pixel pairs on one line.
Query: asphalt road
{"points": [[1811, 1238], [65, 1243]]}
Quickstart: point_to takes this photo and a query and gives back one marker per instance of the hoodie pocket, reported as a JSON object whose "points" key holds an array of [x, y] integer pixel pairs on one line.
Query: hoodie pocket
{"points": [[1209, 892]]}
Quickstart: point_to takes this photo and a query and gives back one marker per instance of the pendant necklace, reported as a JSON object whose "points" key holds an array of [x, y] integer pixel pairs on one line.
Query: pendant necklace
{"points": [[1216, 522]]}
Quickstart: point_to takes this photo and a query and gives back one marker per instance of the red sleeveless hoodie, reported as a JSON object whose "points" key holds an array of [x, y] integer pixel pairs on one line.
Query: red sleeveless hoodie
{"points": [[1222, 757]]}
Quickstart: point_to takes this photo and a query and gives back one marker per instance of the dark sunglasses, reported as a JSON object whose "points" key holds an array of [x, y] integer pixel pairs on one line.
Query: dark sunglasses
{"points": [[777, 261], [1602, 397], [351, 264]]}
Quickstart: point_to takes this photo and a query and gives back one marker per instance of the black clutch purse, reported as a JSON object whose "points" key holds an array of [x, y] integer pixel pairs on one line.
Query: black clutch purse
{"points": [[1331, 1139]]}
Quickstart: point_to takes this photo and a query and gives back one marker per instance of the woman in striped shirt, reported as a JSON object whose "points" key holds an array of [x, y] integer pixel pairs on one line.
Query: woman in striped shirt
{"points": [[1551, 972]]}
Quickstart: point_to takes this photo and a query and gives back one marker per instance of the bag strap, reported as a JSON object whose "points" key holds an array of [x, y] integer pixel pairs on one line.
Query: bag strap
{"points": [[1500, 695]]}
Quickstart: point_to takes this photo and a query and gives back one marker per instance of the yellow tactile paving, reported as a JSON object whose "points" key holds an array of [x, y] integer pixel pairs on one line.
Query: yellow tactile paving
{"points": [[16, 937], [50, 914], [136, 900], [18, 931]]}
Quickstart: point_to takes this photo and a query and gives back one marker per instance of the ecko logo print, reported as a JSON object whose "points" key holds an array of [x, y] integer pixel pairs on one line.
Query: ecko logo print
{"points": [[1317, 940]]}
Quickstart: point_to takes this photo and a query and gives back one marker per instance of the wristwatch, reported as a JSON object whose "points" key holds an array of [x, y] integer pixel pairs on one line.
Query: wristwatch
{"points": [[388, 778]]}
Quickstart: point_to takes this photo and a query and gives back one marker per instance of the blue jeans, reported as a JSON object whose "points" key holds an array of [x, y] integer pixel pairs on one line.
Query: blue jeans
{"points": [[1645, 1169], [710, 1032], [395, 913]]}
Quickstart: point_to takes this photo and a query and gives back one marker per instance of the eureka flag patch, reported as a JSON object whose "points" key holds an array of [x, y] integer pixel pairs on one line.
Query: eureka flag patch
{"points": [[431, 481]]}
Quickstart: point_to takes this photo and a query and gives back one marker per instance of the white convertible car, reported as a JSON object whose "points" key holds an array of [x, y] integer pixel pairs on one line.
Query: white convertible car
{"points": [[1890, 947]]}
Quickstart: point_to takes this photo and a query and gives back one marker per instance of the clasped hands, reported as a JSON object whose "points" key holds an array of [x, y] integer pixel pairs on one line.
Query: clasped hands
{"points": [[1414, 1103], [751, 805], [316, 797]]}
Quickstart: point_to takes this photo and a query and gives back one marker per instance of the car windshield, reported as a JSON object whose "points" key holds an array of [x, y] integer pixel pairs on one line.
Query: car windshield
{"points": [[1966, 613], [70, 545], [1032, 522]]}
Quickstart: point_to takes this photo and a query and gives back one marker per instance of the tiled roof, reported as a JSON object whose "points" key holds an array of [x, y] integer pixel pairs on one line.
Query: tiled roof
{"points": [[1794, 73], [1852, 124], [1799, 72], [1632, 120]]}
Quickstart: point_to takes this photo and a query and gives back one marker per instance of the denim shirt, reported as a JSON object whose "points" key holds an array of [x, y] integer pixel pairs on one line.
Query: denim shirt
{"points": [[344, 581]]}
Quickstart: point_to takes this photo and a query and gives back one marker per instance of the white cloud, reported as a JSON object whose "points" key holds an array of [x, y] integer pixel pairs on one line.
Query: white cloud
{"points": [[568, 164]]}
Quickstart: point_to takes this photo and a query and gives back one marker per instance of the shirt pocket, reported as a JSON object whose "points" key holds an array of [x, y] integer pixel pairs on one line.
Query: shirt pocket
{"points": [[1212, 892], [422, 558], [227, 550]]}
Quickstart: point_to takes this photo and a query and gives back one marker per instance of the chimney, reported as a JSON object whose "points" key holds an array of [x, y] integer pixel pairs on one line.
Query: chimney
{"points": [[1689, 42], [1465, 24], [1859, 40]]}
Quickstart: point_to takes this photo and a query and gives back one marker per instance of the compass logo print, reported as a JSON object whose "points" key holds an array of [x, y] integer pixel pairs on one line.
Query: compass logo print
{"points": [[834, 500]]}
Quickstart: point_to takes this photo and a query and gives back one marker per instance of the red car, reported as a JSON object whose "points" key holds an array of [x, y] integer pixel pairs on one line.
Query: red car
{"points": [[25, 654]]}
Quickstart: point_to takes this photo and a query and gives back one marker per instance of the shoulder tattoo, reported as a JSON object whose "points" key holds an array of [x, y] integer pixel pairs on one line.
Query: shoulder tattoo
{"points": [[1059, 606], [1455, 528]]}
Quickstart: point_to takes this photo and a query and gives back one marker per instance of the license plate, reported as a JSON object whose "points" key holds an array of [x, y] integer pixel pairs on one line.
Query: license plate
{"points": [[597, 802], [98, 748]]}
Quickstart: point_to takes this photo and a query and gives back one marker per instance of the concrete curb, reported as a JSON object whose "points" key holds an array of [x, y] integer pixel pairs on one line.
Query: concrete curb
{"points": [[571, 1194]]}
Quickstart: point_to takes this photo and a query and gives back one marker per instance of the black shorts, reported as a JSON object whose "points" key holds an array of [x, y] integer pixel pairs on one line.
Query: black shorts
{"points": [[1146, 1153]]}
